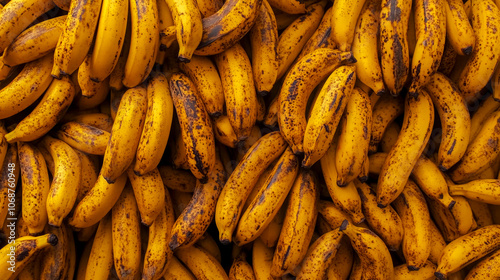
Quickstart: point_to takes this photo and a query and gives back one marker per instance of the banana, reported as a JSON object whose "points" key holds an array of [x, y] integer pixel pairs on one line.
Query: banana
{"points": [[462, 213], [116, 76], [90, 89], [157, 123], [395, 57], [444, 220], [66, 180], [271, 117], [203, 72], [270, 198], [289, 7], [34, 42], [481, 65], [355, 128], [430, 28], [296, 90], [459, 31], [201, 263], [208, 243], [448, 59], [271, 233], [125, 134], [321, 38], [101, 255], [262, 257], [298, 226], [467, 249], [346, 198], [5, 71], [188, 25], [482, 190], [412, 208], [198, 214], [486, 269], [209, 7], [77, 36], [241, 269], [109, 38], [342, 261], [437, 243], [17, 15], [84, 259], [56, 258], [414, 135], [177, 271], [239, 90], [482, 213], [455, 120], [426, 272], [242, 180], [481, 151], [224, 132], [356, 272], [35, 187], [365, 38], [196, 127], [345, 16], [158, 254], [264, 42], [383, 221], [25, 250], [292, 40], [482, 112], [385, 111], [98, 202], [144, 28], [244, 145], [100, 120], [126, 236], [495, 82], [90, 171], [85, 138], [8, 182], [375, 259], [115, 97], [26, 87], [177, 179]]}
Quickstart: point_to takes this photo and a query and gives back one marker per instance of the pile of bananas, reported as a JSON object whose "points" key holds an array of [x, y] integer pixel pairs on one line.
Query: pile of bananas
{"points": [[250, 139]]}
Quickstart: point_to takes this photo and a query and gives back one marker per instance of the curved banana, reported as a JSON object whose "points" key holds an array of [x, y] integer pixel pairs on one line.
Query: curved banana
{"points": [[484, 58], [269, 199], [322, 37], [125, 134], [34, 42], [384, 112], [177, 179], [289, 7], [458, 28], [395, 57], [90, 171], [90, 89], [196, 126], [224, 132], [296, 90], [271, 117], [426, 272], [448, 59], [101, 255], [126, 236], [467, 249], [109, 38], [271, 233], [241, 269], [77, 36], [455, 120], [66, 180], [35, 187], [262, 257], [242, 180], [54, 262], [264, 42], [437, 243], [344, 19], [480, 114], [482, 213], [201, 263], [26, 87], [444, 220], [188, 26], [342, 261], [100, 120], [209, 7], [177, 271], [415, 133], [85, 138], [157, 123], [482, 190], [239, 89], [486, 269], [462, 213]]}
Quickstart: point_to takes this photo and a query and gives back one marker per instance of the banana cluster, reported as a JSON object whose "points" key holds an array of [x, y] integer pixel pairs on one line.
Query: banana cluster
{"points": [[249, 139]]}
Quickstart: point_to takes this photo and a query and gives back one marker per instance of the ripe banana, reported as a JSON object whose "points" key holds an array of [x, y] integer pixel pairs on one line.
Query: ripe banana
{"points": [[157, 123], [201, 263], [483, 190], [345, 16], [342, 261], [321, 38], [448, 59], [486, 269], [462, 213], [416, 131], [482, 112], [458, 28], [395, 57], [437, 243], [271, 233], [262, 257], [444, 220], [175, 270], [54, 262], [209, 7], [196, 126], [125, 134], [482, 213], [85, 138], [224, 132], [385, 111], [100, 120], [93, 92], [90, 171], [289, 7], [177, 179], [188, 26], [100, 259], [241, 269], [426, 272]]}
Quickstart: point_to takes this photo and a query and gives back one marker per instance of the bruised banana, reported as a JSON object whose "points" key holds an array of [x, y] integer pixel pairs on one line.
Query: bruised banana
{"points": [[486, 269], [322, 37], [188, 26]]}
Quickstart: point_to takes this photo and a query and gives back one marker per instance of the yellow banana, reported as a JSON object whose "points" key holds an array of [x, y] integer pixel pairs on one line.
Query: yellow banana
{"points": [[242, 180], [85, 138], [207, 242], [35, 42], [462, 213], [325, 117], [98, 202], [342, 261], [298, 225], [271, 117], [201, 263], [84, 259], [322, 37], [26, 87], [444, 220], [177, 271], [385, 111], [271, 233], [484, 57], [270, 198], [375, 259], [264, 41], [8, 183], [177, 179], [56, 258], [482, 190], [100, 120], [262, 257], [90, 171], [356, 272], [239, 90], [209, 7], [77, 36], [458, 28], [481, 113], [224, 132], [414, 135], [289, 7], [241, 269], [244, 145], [296, 90], [203, 72], [17, 15], [125, 134], [157, 123], [448, 59], [467, 249], [356, 127], [199, 213], [395, 57], [390, 136], [142, 55], [35, 187], [109, 38], [48, 158], [126, 236], [486, 268], [196, 126], [482, 213], [116, 76], [101, 255], [344, 18], [455, 120], [426, 272], [437, 243], [91, 90], [66, 180]]}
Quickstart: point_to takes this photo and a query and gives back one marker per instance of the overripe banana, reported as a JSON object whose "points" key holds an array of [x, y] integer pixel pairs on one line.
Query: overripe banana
{"points": [[345, 16]]}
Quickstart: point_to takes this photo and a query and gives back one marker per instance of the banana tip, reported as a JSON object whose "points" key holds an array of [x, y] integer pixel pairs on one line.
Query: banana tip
{"points": [[439, 275], [53, 239], [344, 225], [225, 241], [341, 183], [363, 179], [450, 206], [263, 92], [442, 168], [413, 268], [380, 205], [183, 59], [467, 50]]}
